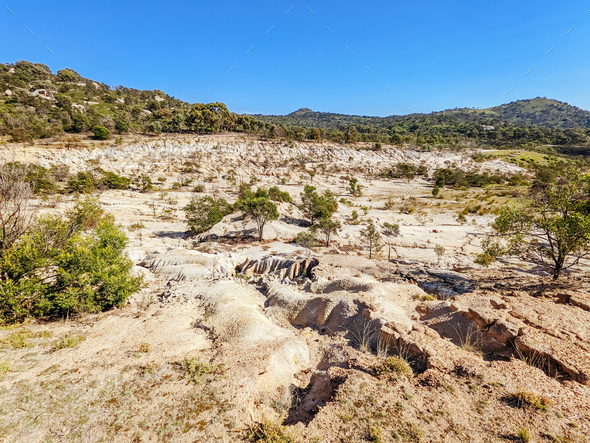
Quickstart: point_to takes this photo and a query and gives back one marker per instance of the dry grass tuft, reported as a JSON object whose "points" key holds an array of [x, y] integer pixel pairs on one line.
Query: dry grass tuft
{"points": [[4, 367], [394, 368], [21, 339], [194, 370], [269, 432], [529, 399], [67, 341]]}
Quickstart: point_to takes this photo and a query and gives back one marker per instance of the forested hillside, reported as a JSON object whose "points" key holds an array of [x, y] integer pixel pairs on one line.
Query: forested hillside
{"points": [[36, 103], [524, 124]]}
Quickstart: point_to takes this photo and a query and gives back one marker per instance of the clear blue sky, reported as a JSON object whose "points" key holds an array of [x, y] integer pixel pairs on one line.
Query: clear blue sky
{"points": [[433, 55]]}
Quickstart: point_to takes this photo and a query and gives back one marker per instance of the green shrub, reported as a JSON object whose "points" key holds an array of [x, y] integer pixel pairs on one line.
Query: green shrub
{"points": [[66, 265], [83, 183], [202, 213], [101, 132], [276, 195], [145, 184], [394, 368], [110, 180], [307, 239]]}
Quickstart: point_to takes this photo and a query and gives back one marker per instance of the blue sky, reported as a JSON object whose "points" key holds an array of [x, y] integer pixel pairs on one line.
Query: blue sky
{"points": [[433, 55]]}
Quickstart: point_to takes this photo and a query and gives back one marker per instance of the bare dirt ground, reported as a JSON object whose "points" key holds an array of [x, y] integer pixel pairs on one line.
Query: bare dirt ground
{"points": [[229, 332]]}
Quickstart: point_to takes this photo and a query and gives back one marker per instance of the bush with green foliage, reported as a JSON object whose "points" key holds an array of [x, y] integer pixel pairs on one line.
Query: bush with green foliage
{"points": [[257, 207], [307, 239], [83, 183], [66, 265], [202, 213], [316, 207], [101, 132], [553, 229], [276, 195]]}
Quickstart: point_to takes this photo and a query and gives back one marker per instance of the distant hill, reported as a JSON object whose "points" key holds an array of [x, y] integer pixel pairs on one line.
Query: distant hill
{"points": [[37, 103], [534, 112], [544, 112]]}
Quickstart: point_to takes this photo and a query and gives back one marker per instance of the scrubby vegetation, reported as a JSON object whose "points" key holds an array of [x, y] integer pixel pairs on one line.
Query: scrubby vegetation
{"points": [[554, 228], [67, 102], [52, 265]]}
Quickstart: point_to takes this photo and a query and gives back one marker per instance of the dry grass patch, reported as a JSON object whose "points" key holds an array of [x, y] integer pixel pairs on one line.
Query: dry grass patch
{"points": [[529, 399], [67, 341], [269, 432], [21, 339], [394, 368], [4, 367], [194, 370]]}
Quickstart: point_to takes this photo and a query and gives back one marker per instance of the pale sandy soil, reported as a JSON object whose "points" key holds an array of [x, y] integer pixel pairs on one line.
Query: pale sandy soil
{"points": [[292, 351]]}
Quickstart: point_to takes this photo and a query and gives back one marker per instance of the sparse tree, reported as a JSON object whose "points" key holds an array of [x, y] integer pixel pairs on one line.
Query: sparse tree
{"points": [[202, 213], [554, 229], [260, 209], [356, 189], [390, 230], [315, 207], [327, 228], [16, 216], [439, 250], [372, 237]]}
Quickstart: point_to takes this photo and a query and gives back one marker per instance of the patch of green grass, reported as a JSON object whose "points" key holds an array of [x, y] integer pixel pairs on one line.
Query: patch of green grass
{"points": [[67, 341], [375, 434], [523, 434], [426, 297], [529, 399], [21, 339], [4, 367], [269, 432], [394, 367]]}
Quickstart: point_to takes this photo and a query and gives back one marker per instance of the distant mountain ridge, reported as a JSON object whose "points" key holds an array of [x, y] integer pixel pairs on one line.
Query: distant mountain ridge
{"points": [[538, 111]]}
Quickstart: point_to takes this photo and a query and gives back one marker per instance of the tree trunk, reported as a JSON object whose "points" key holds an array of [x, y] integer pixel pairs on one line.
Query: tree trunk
{"points": [[558, 267]]}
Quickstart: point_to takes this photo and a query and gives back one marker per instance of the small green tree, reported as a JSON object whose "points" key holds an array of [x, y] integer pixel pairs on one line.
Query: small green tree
{"points": [[260, 209], [316, 207], [553, 229], [202, 213], [371, 237], [356, 189], [66, 265], [276, 195], [439, 250], [327, 227], [307, 239], [390, 230], [101, 132]]}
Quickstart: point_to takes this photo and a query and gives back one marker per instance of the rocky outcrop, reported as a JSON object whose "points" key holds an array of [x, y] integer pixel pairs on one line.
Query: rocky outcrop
{"points": [[554, 335], [279, 267]]}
